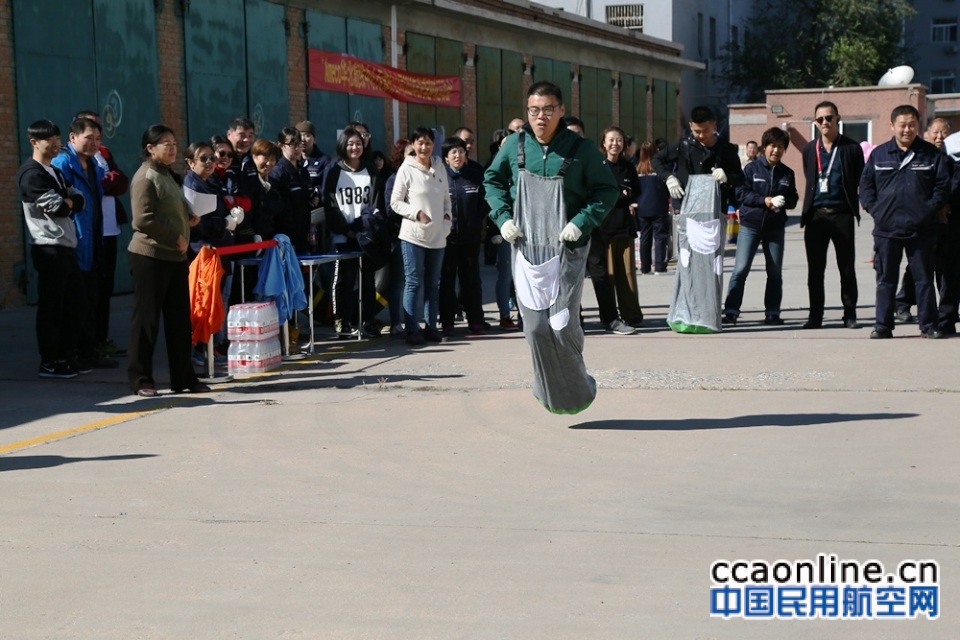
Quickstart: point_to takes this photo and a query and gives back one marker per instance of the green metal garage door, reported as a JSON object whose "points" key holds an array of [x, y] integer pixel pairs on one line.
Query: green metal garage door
{"points": [[215, 48], [331, 110], [110, 66], [268, 101]]}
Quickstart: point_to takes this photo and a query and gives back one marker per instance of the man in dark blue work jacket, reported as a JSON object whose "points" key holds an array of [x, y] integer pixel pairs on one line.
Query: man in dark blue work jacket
{"points": [[904, 184]]}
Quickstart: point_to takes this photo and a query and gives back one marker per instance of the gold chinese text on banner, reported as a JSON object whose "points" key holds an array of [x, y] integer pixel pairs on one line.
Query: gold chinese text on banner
{"points": [[347, 74]]}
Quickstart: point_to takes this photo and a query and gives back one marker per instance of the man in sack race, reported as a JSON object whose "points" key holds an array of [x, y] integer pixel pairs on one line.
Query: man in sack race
{"points": [[698, 286], [548, 188]]}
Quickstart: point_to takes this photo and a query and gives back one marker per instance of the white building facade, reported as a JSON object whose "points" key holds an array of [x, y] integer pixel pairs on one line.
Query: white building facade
{"points": [[706, 29]]}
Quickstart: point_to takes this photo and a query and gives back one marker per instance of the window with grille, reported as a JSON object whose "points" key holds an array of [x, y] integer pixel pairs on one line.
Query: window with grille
{"points": [[944, 30], [942, 82], [628, 16]]}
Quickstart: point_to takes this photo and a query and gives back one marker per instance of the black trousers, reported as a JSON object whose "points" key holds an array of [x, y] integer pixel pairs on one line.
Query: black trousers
{"points": [[602, 282], [61, 302], [160, 288], [654, 238], [87, 324], [345, 273], [106, 280], [823, 229], [946, 270], [461, 261], [886, 261]]}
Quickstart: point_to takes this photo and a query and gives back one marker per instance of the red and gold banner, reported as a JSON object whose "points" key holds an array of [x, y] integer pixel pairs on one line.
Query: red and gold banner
{"points": [[347, 74]]}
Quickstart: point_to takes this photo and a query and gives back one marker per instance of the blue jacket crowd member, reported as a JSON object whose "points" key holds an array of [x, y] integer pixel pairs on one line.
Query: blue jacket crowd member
{"points": [[461, 258], [904, 186], [948, 250], [158, 264], [548, 191], [770, 189], [612, 263], [832, 167], [653, 213], [351, 186], [701, 153], [82, 172], [48, 208], [292, 182], [114, 184]]}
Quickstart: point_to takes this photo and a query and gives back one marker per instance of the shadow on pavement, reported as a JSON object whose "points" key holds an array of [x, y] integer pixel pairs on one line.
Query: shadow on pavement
{"points": [[310, 381], [737, 422], [20, 463]]}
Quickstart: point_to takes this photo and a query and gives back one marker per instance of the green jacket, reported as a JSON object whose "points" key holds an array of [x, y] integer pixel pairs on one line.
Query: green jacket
{"points": [[589, 188], [160, 213]]}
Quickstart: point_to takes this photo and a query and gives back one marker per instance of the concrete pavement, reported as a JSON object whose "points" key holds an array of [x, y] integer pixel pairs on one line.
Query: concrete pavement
{"points": [[382, 492]]}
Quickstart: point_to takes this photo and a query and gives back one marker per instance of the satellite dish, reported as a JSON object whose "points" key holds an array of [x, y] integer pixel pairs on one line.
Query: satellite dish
{"points": [[896, 76]]}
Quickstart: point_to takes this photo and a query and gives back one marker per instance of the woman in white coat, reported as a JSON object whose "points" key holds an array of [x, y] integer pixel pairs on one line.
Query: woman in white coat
{"points": [[420, 195]]}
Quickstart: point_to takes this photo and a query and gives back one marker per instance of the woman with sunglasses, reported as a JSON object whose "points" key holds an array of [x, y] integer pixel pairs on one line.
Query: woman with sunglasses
{"points": [[217, 228]]}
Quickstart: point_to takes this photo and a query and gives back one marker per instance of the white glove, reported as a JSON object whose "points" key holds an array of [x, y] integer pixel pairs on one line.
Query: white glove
{"points": [[719, 175], [510, 231], [777, 202], [570, 233], [676, 191], [496, 240], [234, 218]]}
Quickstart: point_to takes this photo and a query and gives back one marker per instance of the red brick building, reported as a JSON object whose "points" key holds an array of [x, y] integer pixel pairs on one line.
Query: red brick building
{"points": [[195, 65], [864, 116]]}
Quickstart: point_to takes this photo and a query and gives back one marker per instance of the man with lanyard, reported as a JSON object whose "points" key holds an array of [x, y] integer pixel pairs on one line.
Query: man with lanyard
{"points": [[904, 187], [547, 192], [831, 167]]}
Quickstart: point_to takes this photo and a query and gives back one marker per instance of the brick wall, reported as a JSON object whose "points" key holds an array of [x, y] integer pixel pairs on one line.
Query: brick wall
{"points": [[468, 88], [401, 64], [298, 85], [615, 101], [527, 74], [574, 90], [795, 115], [171, 69], [11, 227]]}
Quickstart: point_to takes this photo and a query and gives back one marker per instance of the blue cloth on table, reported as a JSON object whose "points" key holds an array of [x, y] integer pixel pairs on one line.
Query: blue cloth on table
{"points": [[280, 279]]}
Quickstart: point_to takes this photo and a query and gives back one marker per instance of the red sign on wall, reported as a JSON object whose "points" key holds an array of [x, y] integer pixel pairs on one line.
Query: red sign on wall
{"points": [[348, 74]]}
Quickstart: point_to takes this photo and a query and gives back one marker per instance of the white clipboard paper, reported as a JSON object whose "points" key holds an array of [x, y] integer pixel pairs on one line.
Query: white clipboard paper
{"points": [[200, 203]]}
